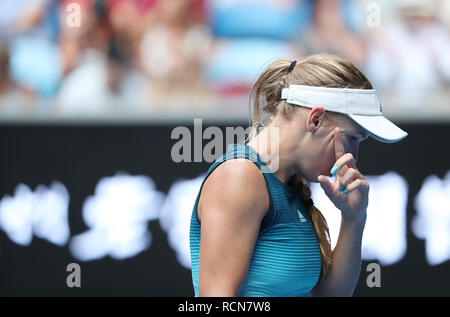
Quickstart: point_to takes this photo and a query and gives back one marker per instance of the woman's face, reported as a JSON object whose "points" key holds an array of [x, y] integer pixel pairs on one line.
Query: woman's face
{"points": [[319, 140]]}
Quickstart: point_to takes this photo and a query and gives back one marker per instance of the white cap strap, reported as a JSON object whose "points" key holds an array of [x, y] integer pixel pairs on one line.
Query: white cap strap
{"points": [[343, 100]]}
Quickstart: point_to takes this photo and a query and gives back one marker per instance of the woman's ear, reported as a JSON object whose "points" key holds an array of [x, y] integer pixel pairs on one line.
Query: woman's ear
{"points": [[315, 118]]}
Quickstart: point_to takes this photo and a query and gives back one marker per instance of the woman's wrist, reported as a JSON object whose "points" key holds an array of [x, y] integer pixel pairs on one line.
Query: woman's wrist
{"points": [[356, 223]]}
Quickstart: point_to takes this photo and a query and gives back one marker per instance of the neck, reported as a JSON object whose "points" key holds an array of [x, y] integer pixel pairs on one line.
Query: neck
{"points": [[276, 151]]}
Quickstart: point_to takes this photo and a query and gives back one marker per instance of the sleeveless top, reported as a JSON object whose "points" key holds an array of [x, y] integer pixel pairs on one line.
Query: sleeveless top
{"points": [[286, 259]]}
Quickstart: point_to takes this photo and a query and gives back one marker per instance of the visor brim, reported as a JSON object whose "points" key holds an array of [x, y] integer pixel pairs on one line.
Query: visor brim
{"points": [[380, 128]]}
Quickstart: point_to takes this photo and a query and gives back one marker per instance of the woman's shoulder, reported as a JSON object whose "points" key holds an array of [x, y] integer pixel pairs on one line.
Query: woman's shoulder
{"points": [[236, 185]]}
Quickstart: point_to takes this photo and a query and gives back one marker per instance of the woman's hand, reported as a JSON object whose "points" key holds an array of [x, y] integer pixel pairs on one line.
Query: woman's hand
{"points": [[352, 201]]}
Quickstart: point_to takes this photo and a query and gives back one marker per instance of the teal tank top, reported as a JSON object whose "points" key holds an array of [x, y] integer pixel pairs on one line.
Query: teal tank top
{"points": [[286, 259]]}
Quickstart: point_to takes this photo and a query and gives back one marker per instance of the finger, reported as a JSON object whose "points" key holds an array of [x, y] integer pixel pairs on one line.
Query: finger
{"points": [[339, 166], [360, 184], [326, 185], [350, 175], [338, 145], [337, 180], [346, 159]]}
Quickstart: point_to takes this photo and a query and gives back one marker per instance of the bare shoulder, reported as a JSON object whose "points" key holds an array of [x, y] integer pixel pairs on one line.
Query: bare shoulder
{"points": [[232, 204], [235, 186]]}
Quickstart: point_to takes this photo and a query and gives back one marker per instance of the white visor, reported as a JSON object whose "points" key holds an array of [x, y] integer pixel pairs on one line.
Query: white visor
{"points": [[362, 105]]}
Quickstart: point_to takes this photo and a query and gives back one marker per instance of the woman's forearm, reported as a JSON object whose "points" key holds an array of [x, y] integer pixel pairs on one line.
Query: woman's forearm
{"points": [[343, 273]]}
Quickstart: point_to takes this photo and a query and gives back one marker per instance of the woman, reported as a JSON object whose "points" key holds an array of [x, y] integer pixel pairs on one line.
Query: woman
{"points": [[257, 233]]}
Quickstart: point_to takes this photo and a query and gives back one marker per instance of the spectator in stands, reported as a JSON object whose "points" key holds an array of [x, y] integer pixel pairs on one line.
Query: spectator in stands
{"points": [[31, 30], [336, 28], [174, 50], [103, 78], [248, 34], [411, 56]]}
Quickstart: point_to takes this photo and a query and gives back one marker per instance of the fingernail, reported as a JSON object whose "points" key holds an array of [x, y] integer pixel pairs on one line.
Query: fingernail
{"points": [[345, 192], [334, 170], [340, 188]]}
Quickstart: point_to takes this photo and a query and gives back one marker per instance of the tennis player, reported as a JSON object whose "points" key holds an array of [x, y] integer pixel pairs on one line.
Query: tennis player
{"points": [[254, 228]]}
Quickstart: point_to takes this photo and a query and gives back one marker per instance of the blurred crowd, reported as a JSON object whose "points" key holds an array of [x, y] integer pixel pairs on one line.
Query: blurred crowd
{"points": [[97, 56]]}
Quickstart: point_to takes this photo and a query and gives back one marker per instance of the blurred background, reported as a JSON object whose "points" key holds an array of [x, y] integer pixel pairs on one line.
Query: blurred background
{"points": [[152, 58], [90, 92]]}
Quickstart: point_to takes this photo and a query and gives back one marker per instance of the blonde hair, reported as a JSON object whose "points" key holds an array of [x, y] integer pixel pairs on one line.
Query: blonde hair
{"points": [[316, 70]]}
